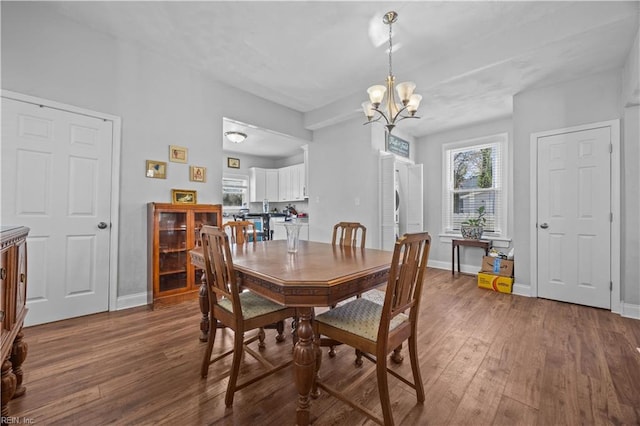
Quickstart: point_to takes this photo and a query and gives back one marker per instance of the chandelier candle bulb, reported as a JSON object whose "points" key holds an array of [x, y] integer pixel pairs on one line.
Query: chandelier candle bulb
{"points": [[414, 103], [367, 107], [376, 94], [405, 90]]}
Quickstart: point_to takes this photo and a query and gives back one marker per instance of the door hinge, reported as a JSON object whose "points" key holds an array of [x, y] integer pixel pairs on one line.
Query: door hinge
{"points": [[611, 217], [610, 285], [610, 148]]}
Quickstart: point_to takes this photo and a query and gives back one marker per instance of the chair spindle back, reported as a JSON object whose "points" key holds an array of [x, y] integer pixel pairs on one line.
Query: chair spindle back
{"points": [[346, 234], [241, 231], [406, 277], [221, 277]]}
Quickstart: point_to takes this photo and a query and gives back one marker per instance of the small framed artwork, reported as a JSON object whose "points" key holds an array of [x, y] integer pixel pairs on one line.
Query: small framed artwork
{"points": [[397, 146], [177, 154], [197, 174], [233, 163], [156, 169], [184, 196]]}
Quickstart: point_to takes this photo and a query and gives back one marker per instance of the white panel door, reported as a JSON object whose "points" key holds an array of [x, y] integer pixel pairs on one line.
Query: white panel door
{"points": [[387, 203], [56, 180], [574, 217], [415, 206]]}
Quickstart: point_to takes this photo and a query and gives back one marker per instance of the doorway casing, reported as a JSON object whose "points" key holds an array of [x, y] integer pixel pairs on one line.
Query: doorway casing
{"points": [[115, 179], [614, 125]]}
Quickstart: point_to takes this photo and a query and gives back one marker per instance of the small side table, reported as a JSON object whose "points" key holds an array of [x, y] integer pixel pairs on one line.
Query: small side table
{"points": [[455, 246]]}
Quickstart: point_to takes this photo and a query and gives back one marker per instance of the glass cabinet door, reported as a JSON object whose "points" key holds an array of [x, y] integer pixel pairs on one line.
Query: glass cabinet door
{"points": [[203, 218], [172, 240], [199, 219]]}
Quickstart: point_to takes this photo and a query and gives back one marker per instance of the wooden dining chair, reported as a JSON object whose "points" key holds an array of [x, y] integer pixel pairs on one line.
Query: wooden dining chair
{"points": [[238, 310], [241, 231], [346, 234], [376, 330]]}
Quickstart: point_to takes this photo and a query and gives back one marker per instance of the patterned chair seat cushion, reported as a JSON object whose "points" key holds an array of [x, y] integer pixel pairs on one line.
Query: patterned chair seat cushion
{"points": [[373, 295], [360, 317], [252, 305]]}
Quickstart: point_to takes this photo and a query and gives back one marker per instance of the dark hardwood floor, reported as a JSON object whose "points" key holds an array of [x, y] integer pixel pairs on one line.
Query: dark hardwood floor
{"points": [[486, 358]]}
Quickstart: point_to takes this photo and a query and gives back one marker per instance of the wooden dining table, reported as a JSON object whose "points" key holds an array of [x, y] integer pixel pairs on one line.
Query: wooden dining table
{"points": [[318, 275]]}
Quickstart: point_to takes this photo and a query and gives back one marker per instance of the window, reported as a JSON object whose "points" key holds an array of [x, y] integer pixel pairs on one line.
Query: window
{"points": [[234, 191], [474, 176]]}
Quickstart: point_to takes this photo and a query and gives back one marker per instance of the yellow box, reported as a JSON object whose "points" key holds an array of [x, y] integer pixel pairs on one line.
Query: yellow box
{"points": [[495, 282]]}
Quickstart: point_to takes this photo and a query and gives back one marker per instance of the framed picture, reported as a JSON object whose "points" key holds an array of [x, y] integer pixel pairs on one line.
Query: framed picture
{"points": [[156, 169], [197, 174], [177, 154], [184, 196], [233, 163]]}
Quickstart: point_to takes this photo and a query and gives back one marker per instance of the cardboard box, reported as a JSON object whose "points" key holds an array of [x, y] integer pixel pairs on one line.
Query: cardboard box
{"points": [[497, 266], [495, 282]]}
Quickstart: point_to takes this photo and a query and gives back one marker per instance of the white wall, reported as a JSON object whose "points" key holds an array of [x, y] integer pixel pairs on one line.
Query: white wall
{"points": [[429, 153], [588, 100], [161, 103], [630, 262], [343, 167]]}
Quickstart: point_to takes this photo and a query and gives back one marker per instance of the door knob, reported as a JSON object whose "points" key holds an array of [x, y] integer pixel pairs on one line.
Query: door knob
{"points": [[544, 225], [102, 225]]}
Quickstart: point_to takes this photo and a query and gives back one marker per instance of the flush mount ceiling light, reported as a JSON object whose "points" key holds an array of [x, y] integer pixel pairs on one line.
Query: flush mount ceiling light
{"points": [[235, 137], [391, 111]]}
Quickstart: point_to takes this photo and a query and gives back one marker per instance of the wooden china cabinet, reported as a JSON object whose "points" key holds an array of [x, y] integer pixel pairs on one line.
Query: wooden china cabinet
{"points": [[173, 230]]}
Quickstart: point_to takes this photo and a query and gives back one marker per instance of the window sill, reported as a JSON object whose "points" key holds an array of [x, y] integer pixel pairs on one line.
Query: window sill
{"points": [[497, 240]]}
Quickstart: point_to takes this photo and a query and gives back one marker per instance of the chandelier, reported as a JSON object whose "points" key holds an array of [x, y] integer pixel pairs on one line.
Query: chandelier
{"points": [[390, 110]]}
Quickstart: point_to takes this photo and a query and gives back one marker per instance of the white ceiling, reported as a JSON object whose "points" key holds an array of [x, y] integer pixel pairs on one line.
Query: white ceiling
{"points": [[468, 59]]}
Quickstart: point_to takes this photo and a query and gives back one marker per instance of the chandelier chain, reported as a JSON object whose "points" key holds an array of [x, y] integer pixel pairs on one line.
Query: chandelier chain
{"points": [[390, 49]]}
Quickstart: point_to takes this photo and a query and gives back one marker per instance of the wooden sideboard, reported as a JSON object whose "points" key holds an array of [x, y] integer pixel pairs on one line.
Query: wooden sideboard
{"points": [[13, 297]]}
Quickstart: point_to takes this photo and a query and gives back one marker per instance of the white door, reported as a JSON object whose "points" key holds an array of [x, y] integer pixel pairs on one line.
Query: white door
{"points": [[415, 206], [56, 180], [387, 203], [574, 217]]}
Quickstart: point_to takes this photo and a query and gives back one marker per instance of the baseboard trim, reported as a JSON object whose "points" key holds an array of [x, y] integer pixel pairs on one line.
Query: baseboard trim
{"points": [[132, 301], [630, 311], [522, 290], [466, 269]]}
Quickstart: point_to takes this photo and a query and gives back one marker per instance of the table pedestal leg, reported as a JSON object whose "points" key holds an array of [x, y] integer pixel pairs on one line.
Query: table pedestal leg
{"points": [[304, 360]]}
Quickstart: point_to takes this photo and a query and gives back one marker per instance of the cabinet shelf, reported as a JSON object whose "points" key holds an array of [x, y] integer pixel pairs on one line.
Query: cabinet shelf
{"points": [[172, 250], [173, 271], [171, 234]]}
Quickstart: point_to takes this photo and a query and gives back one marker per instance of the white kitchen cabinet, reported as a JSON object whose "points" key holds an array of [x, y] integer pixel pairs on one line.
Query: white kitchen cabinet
{"points": [[292, 183], [257, 182], [284, 184], [263, 184], [297, 182], [271, 184]]}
